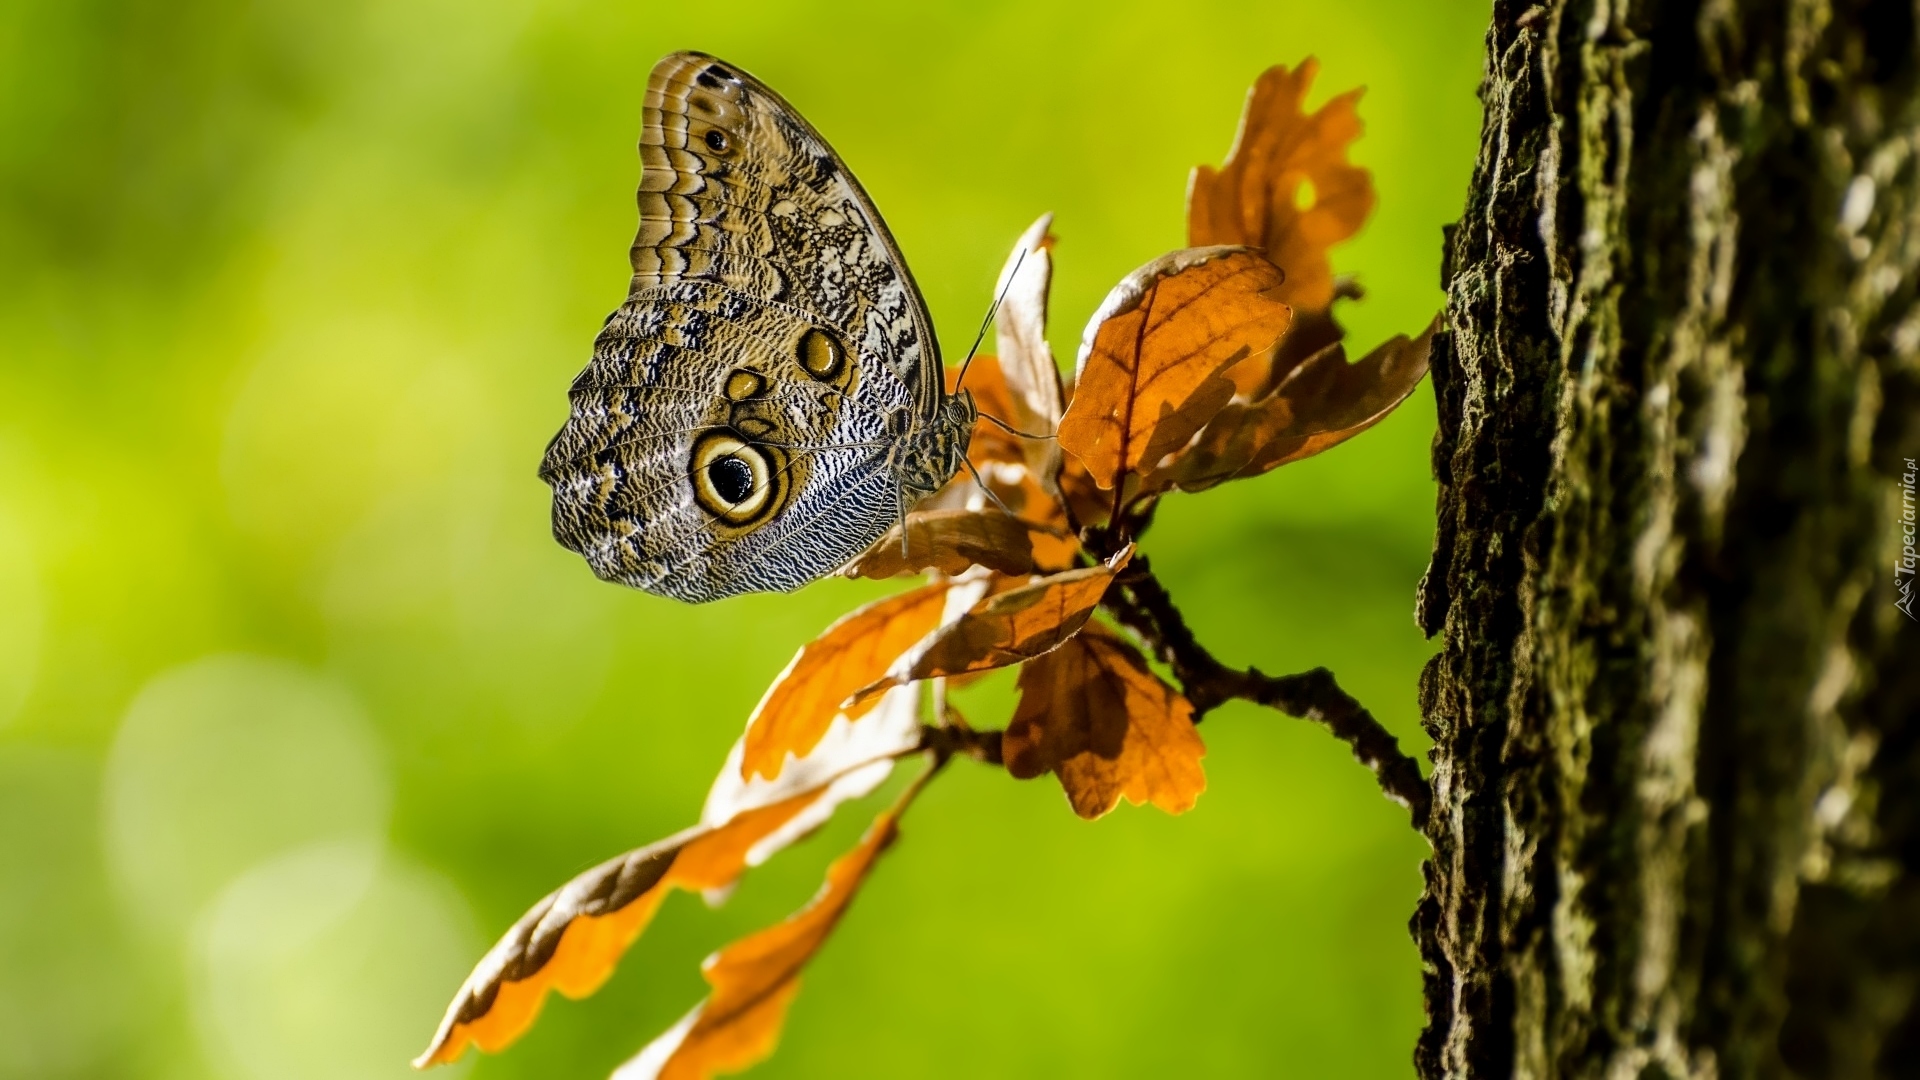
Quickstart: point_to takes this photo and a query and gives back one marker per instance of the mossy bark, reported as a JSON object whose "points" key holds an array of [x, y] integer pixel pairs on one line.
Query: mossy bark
{"points": [[1676, 818]]}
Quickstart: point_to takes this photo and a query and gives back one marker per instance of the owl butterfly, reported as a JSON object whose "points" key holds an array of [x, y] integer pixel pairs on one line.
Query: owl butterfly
{"points": [[769, 400]]}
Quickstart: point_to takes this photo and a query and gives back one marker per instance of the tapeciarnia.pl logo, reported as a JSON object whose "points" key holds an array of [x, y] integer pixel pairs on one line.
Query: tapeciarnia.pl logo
{"points": [[1903, 567]]}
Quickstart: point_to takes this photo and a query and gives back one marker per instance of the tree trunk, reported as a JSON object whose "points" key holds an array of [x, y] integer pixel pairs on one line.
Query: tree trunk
{"points": [[1676, 821]]}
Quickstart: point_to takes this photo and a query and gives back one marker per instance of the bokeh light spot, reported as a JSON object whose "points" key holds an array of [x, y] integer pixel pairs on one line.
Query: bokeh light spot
{"points": [[227, 761]]}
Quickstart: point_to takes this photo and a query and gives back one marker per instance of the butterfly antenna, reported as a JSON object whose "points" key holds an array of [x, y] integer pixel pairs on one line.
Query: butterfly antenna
{"points": [[1011, 430], [988, 321]]}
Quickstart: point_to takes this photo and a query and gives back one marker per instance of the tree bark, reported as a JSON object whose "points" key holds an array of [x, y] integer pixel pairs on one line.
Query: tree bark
{"points": [[1676, 714]]}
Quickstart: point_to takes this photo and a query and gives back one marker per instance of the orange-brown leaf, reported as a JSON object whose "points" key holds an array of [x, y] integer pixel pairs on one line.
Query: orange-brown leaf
{"points": [[1054, 545], [853, 652], [1323, 402], [1006, 628], [950, 541], [1151, 367], [1092, 713], [1287, 186], [755, 978], [571, 940], [1079, 490]]}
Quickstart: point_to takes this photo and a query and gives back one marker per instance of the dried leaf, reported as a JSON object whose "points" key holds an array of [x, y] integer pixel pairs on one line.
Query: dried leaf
{"points": [[571, 940], [850, 760], [1054, 545], [1312, 330], [1006, 628], [755, 979], [804, 700], [1095, 715], [950, 541], [1026, 362], [1151, 366], [1320, 404], [1287, 186], [1079, 490], [1053, 549]]}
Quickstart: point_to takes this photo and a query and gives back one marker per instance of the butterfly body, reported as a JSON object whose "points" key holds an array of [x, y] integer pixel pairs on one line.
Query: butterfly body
{"points": [[769, 398]]}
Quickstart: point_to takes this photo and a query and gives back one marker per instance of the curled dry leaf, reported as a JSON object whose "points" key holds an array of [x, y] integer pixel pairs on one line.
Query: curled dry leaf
{"points": [[804, 700], [1026, 362], [1092, 713], [1151, 368], [950, 541], [1287, 186], [1321, 403], [850, 759], [571, 940], [755, 979], [1005, 629]]}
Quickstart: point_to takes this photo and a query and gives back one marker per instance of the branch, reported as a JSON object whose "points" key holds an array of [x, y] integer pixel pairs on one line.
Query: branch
{"points": [[958, 740], [1141, 604]]}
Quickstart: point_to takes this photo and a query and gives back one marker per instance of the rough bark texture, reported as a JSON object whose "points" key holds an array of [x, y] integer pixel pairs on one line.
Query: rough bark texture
{"points": [[1676, 817]]}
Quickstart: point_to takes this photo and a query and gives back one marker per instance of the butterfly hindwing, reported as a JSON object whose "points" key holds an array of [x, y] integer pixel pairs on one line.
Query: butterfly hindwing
{"points": [[731, 432]]}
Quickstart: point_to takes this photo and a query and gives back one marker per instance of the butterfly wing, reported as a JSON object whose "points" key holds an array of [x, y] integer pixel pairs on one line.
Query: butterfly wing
{"points": [[731, 432]]}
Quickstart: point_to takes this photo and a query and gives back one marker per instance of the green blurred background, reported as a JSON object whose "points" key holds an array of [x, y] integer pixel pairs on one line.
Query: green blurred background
{"points": [[300, 705]]}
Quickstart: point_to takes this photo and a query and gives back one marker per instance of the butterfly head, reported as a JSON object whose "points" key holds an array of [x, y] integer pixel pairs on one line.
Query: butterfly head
{"points": [[927, 456]]}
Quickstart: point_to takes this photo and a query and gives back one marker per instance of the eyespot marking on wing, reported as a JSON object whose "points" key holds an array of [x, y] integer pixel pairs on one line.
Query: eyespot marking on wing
{"points": [[743, 384], [740, 483], [821, 355]]}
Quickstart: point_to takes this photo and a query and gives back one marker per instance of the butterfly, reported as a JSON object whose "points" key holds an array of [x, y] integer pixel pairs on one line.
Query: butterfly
{"points": [[769, 400]]}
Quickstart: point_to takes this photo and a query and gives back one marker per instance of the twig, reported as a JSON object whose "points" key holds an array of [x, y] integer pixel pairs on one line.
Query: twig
{"points": [[1141, 604], [961, 741]]}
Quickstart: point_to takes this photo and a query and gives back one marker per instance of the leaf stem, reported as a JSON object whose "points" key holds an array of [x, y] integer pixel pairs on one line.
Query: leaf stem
{"points": [[1142, 604], [940, 757]]}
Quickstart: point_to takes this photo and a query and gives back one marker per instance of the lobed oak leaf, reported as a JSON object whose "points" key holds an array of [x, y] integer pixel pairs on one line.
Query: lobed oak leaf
{"points": [[1287, 186], [806, 697], [1006, 628], [755, 979], [1312, 331], [950, 541], [1152, 364], [1321, 403], [1092, 713]]}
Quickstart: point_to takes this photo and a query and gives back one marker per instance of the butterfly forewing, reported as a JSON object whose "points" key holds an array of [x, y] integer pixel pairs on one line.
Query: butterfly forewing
{"points": [[732, 432]]}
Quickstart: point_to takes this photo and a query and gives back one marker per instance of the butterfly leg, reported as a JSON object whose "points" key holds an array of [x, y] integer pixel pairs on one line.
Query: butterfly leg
{"points": [[985, 488], [900, 509]]}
